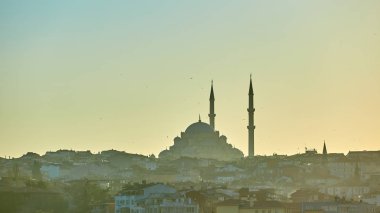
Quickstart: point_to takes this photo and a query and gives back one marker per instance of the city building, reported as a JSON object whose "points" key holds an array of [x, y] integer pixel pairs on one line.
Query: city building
{"points": [[153, 198], [337, 207]]}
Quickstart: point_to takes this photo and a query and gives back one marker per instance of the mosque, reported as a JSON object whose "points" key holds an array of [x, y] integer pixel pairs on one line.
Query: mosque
{"points": [[201, 140]]}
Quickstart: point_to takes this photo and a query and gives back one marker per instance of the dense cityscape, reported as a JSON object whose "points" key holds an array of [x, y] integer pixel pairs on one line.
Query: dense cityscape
{"points": [[170, 106], [114, 181], [200, 173]]}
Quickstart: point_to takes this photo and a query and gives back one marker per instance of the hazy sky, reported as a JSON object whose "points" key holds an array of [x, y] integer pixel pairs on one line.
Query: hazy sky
{"points": [[131, 75]]}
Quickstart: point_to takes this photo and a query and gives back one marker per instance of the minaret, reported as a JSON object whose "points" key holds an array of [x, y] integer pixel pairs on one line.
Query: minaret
{"points": [[324, 149], [324, 152], [212, 113], [251, 126]]}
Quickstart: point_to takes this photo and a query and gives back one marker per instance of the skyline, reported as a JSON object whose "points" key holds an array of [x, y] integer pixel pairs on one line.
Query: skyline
{"points": [[131, 76]]}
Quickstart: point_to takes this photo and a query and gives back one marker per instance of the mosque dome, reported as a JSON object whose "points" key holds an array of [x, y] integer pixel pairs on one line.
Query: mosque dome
{"points": [[200, 140], [199, 128]]}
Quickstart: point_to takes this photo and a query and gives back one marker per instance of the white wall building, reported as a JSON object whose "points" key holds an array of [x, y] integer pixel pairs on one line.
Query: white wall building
{"points": [[133, 201], [348, 192], [127, 202], [180, 205], [52, 171]]}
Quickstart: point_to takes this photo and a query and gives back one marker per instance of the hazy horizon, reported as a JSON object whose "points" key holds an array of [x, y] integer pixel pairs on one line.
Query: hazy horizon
{"points": [[130, 76]]}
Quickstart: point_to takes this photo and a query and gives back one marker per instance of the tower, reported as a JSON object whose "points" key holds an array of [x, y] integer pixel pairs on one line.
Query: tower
{"points": [[212, 113], [324, 153], [251, 126]]}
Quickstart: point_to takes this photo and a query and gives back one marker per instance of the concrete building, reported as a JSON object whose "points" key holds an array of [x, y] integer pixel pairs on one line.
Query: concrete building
{"points": [[347, 191], [170, 203], [337, 207], [157, 198], [240, 206], [51, 171]]}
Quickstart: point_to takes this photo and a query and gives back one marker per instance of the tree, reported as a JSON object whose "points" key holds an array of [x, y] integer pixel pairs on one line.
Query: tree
{"points": [[264, 194], [243, 192], [84, 193], [15, 172], [36, 170]]}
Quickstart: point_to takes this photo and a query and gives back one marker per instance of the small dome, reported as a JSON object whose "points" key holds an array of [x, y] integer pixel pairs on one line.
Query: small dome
{"points": [[199, 128]]}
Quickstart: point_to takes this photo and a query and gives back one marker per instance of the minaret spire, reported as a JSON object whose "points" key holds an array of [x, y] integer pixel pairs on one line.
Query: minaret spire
{"points": [[324, 156], [251, 127], [212, 112]]}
